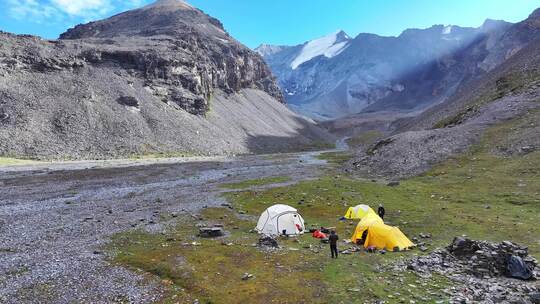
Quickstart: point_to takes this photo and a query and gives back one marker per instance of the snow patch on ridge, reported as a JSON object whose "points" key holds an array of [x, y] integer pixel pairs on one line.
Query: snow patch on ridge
{"points": [[448, 30], [329, 46]]}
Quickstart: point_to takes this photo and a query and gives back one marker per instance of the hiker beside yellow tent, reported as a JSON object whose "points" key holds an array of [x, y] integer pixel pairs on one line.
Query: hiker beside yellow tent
{"points": [[379, 234]]}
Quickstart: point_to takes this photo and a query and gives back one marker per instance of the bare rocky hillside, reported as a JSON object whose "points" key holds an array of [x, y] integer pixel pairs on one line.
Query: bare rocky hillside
{"points": [[165, 78]]}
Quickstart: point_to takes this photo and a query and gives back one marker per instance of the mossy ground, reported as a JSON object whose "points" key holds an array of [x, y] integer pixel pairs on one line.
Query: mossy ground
{"points": [[158, 155], [478, 194], [257, 182], [336, 158], [300, 272], [365, 139], [6, 161]]}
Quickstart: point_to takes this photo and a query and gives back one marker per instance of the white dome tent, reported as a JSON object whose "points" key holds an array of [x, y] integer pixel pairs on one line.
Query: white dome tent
{"points": [[280, 219]]}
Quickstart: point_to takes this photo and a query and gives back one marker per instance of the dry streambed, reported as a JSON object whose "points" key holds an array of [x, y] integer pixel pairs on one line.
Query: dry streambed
{"points": [[54, 222]]}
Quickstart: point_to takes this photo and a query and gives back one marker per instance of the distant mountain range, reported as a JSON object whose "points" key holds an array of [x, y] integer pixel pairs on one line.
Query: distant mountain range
{"points": [[336, 76], [498, 95]]}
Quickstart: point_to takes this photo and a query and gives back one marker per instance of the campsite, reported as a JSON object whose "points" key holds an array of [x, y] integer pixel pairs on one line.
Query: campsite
{"points": [[301, 267]]}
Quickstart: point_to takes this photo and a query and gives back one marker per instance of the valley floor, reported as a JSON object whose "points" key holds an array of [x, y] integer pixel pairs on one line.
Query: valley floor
{"points": [[129, 233], [56, 218]]}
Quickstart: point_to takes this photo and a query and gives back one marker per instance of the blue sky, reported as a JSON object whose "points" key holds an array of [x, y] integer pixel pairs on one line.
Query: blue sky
{"points": [[275, 21]]}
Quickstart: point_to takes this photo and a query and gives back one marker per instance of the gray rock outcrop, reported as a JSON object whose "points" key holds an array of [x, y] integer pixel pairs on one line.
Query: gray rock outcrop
{"points": [[479, 271]]}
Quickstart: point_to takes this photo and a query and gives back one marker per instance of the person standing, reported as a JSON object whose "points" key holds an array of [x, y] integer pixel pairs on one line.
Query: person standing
{"points": [[381, 211], [333, 238]]}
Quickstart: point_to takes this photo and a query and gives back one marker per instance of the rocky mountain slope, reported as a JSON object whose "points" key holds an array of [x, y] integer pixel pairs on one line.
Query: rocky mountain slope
{"points": [[506, 102], [163, 78], [371, 73]]}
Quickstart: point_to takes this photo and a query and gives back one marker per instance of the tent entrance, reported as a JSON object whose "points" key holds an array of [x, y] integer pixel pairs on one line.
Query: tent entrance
{"points": [[287, 223]]}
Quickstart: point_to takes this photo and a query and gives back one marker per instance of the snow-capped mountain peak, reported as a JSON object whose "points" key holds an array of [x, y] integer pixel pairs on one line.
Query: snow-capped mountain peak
{"points": [[328, 46]]}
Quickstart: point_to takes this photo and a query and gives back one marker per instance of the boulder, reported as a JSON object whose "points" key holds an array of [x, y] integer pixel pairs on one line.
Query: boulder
{"points": [[527, 149], [267, 242], [393, 184], [210, 232], [128, 101]]}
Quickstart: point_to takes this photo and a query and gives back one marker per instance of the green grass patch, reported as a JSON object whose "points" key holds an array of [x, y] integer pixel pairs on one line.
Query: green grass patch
{"points": [[336, 158], [320, 145], [158, 155], [6, 161], [212, 270], [257, 182], [365, 139], [301, 272]]}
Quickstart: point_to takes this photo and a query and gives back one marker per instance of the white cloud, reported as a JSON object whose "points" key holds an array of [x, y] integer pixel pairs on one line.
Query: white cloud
{"points": [[31, 10], [64, 11], [84, 8]]}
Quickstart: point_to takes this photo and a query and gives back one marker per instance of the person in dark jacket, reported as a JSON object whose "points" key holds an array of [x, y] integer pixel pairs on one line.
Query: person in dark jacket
{"points": [[381, 211], [332, 239]]}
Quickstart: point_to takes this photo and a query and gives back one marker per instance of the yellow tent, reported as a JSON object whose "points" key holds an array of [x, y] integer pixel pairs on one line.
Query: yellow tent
{"points": [[358, 212], [380, 235]]}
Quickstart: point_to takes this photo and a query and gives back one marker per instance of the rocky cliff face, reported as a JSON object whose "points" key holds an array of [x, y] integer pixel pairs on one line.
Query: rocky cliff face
{"points": [[144, 81], [182, 53]]}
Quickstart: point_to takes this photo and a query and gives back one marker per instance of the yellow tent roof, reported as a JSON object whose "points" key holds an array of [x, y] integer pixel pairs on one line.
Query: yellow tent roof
{"points": [[358, 212], [380, 235]]}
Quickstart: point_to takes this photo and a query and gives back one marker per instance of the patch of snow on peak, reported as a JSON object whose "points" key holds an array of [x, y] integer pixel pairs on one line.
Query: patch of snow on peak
{"points": [[329, 46], [447, 30]]}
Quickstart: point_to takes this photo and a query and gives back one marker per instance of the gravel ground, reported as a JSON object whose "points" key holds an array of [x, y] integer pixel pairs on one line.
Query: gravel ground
{"points": [[55, 218]]}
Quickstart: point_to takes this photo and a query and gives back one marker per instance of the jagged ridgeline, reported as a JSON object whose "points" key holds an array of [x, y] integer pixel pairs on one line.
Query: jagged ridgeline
{"points": [[162, 78]]}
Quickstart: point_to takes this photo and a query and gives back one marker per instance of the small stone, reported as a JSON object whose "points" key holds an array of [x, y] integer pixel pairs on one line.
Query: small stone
{"points": [[227, 205]]}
